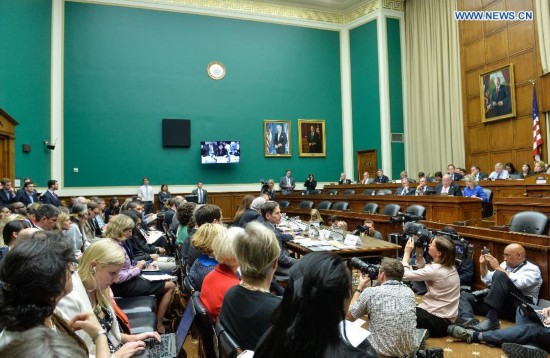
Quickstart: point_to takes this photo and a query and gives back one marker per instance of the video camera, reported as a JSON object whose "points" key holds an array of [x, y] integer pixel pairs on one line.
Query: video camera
{"points": [[363, 229], [464, 250], [370, 269], [422, 237], [405, 218]]}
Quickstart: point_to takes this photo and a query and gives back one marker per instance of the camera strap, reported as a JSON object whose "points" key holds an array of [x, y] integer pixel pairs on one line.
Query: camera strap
{"points": [[517, 268]]}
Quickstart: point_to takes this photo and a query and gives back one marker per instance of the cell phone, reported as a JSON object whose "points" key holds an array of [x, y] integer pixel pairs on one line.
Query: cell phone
{"points": [[485, 251], [148, 262]]}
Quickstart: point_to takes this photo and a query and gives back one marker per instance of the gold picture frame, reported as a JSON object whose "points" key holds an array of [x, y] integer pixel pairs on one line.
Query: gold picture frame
{"points": [[312, 138], [501, 103], [277, 138]]}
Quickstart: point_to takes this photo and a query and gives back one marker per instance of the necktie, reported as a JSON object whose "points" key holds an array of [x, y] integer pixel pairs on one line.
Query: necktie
{"points": [[497, 92]]}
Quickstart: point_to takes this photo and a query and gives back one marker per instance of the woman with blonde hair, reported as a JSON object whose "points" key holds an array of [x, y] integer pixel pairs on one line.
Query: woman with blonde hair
{"points": [[202, 240], [224, 276], [315, 216], [129, 282], [472, 190], [98, 270]]}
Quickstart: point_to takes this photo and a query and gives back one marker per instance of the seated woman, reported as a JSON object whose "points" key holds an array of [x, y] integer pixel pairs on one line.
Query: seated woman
{"points": [[113, 209], [247, 308], [439, 307], [526, 170], [30, 292], [202, 241], [99, 269], [319, 282], [78, 216], [224, 276], [510, 168], [315, 216], [129, 282], [472, 190], [539, 167]]}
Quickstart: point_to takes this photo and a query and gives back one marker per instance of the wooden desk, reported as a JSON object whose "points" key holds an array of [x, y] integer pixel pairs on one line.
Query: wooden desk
{"points": [[371, 247], [505, 208], [446, 209], [537, 248]]}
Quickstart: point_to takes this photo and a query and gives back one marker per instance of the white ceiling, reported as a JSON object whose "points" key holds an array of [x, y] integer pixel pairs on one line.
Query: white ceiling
{"points": [[334, 5]]}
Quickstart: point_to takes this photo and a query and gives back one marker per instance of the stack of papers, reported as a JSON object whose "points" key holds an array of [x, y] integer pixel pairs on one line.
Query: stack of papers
{"points": [[158, 277]]}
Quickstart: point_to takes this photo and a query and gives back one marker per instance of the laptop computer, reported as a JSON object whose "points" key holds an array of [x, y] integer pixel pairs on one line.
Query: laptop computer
{"points": [[171, 344], [528, 310]]}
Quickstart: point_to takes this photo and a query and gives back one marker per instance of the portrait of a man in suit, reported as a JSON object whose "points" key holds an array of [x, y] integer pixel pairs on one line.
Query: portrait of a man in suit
{"points": [[277, 138], [498, 94], [311, 137]]}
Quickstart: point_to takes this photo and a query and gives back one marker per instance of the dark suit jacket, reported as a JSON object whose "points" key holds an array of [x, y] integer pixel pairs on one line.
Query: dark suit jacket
{"points": [[456, 176], [454, 189], [399, 191], [314, 142], [383, 179], [204, 195], [285, 261], [481, 176], [248, 216], [283, 184], [346, 181], [6, 199], [280, 139], [25, 199], [504, 97], [48, 198]]}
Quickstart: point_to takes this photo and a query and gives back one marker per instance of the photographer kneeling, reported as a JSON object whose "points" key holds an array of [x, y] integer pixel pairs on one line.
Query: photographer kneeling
{"points": [[439, 307], [391, 310]]}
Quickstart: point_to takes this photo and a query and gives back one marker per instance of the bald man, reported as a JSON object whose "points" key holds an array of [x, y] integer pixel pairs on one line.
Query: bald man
{"points": [[514, 274]]}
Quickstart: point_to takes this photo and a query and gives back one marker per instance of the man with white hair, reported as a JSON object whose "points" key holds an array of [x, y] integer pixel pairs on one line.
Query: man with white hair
{"points": [[254, 213], [280, 140], [499, 173]]}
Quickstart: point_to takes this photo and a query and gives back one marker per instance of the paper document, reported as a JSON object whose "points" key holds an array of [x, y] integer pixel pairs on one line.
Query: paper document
{"points": [[154, 236], [158, 277], [354, 332]]}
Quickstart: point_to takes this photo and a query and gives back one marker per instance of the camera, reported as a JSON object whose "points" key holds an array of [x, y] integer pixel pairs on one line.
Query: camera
{"points": [[422, 237], [363, 229], [405, 218], [369, 269], [485, 251], [463, 249]]}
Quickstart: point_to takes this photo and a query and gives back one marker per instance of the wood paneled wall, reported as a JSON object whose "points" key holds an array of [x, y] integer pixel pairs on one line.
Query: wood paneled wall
{"points": [[485, 46]]}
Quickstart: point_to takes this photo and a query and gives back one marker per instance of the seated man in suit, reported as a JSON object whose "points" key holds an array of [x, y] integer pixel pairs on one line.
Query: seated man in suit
{"points": [[477, 174], [343, 179], [380, 177], [405, 188], [254, 213], [28, 194], [455, 175], [447, 187], [366, 179], [499, 173], [515, 274], [422, 188], [271, 214], [7, 194]]}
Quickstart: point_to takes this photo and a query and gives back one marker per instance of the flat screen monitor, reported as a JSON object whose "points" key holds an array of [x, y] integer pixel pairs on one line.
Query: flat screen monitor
{"points": [[221, 152]]}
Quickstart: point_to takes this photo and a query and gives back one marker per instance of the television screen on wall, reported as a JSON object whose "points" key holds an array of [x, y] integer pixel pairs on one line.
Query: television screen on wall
{"points": [[221, 152]]}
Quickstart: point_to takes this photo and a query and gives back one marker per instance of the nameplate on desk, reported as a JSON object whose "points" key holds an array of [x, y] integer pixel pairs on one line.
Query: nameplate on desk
{"points": [[324, 234], [540, 180], [353, 240]]}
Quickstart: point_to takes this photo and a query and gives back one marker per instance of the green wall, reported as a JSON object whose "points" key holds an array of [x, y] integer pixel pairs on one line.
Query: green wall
{"points": [[25, 38], [127, 69], [365, 89], [396, 94]]}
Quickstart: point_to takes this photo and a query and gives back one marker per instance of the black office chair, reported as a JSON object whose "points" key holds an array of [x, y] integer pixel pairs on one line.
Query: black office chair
{"points": [[487, 208], [284, 204], [412, 180], [349, 192], [391, 209], [227, 345], [205, 326], [369, 192], [188, 288], [315, 192], [340, 205], [371, 208], [306, 204], [530, 222], [417, 210], [384, 192], [332, 192], [324, 205]]}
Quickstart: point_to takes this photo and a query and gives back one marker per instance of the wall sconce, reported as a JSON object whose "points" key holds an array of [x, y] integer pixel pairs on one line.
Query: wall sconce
{"points": [[49, 145]]}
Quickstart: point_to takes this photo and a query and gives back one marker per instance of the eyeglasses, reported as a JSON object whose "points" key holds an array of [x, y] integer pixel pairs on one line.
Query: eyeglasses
{"points": [[73, 266]]}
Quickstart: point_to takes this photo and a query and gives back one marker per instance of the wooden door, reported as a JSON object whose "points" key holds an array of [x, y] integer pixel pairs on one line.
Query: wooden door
{"points": [[367, 161], [7, 145]]}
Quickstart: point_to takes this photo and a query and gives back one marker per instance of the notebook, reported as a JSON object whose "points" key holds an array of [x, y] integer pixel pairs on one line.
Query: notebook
{"points": [[529, 311], [171, 343]]}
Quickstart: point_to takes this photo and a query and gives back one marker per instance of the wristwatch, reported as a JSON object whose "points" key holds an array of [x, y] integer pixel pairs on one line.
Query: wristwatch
{"points": [[359, 290]]}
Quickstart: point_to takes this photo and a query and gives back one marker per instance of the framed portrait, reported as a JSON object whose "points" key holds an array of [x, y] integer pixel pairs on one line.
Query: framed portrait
{"points": [[498, 96], [277, 138], [312, 138]]}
